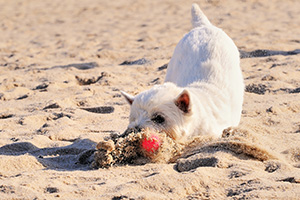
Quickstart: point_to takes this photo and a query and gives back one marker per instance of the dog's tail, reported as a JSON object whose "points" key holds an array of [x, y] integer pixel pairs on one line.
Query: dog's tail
{"points": [[198, 17]]}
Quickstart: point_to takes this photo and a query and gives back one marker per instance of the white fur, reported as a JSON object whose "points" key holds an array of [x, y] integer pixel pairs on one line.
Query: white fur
{"points": [[205, 65]]}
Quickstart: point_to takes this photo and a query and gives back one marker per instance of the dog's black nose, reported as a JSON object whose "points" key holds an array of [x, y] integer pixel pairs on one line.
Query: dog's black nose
{"points": [[137, 129]]}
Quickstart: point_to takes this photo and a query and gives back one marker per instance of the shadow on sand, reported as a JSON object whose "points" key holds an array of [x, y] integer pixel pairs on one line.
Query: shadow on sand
{"points": [[76, 156]]}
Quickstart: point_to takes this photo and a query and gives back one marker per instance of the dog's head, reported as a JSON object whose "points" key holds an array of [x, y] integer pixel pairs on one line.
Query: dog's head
{"points": [[162, 108]]}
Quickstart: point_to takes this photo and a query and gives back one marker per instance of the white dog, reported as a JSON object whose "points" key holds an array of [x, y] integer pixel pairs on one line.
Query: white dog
{"points": [[203, 89]]}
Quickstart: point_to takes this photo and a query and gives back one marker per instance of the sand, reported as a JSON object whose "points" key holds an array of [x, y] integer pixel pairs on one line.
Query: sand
{"points": [[63, 64]]}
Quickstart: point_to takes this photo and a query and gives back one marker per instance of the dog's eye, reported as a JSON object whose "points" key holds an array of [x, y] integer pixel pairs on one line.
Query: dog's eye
{"points": [[158, 119]]}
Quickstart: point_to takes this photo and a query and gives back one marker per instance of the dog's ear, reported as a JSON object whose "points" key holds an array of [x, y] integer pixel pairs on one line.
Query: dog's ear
{"points": [[183, 101], [129, 98]]}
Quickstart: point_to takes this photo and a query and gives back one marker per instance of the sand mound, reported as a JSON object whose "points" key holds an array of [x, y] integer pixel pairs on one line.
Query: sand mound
{"points": [[209, 152], [19, 164], [198, 152]]}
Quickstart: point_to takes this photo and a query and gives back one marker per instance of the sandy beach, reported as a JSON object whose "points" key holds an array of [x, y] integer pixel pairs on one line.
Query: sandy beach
{"points": [[64, 63]]}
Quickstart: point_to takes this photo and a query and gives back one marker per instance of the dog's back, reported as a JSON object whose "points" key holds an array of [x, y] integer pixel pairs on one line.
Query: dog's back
{"points": [[207, 55]]}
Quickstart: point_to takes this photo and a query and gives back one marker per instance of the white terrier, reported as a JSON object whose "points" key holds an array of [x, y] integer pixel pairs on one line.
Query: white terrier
{"points": [[203, 89]]}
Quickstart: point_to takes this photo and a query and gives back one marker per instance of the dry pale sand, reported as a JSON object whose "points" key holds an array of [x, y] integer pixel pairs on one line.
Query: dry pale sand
{"points": [[58, 58]]}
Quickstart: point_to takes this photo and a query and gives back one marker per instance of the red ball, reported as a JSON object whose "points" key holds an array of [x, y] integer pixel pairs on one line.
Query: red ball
{"points": [[151, 144]]}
